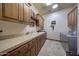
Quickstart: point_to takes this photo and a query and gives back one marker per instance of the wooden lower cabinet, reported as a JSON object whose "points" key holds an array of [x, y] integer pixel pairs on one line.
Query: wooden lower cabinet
{"points": [[30, 48], [18, 52], [28, 53], [33, 51]]}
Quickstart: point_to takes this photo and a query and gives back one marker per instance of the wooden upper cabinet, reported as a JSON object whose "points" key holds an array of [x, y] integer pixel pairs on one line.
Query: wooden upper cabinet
{"points": [[40, 20], [75, 13], [10, 10], [16, 12], [27, 16], [0, 10], [69, 20], [21, 11], [72, 18]]}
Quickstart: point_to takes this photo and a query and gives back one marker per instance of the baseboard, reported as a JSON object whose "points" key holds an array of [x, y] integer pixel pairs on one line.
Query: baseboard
{"points": [[57, 40]]}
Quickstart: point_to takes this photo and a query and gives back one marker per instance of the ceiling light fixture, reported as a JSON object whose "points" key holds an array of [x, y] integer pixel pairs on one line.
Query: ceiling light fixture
{"points": [[55, 6]]}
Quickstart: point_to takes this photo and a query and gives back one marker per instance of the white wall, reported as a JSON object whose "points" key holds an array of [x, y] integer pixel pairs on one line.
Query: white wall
{"points": [[13, 28], [61, 23]]}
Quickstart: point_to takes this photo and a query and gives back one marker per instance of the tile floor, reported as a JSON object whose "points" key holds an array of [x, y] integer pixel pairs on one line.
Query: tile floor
{"points": [[52, 48]]}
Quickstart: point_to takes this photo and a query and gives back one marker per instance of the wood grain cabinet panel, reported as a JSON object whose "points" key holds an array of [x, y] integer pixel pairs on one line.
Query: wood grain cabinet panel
{"points": [[10, 10], [33, 51], [40, 20], [0, 10], [28, 53], [13, 53], [27, 15], [37, 46], [15, 12], [75, 16], [21, 11], [69, 19], [18, 52], [72, 18], [30, 44]]}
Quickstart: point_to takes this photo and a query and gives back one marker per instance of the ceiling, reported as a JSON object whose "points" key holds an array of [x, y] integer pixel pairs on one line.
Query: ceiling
{"points": [[43, 9]]}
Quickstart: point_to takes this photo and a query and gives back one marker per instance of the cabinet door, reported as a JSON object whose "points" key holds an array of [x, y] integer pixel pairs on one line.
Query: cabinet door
{"points": [[28, 53], [27, 15], [21, 7], [37, 46], [40, 20], [33, 51], [69, 19], [72, 18], [75, 16], [30, 44], [0, 10], [10, 10]]}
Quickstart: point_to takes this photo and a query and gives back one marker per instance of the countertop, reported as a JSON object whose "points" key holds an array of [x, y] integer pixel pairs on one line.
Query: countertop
{"points": [[7, 45], [71, 35]]}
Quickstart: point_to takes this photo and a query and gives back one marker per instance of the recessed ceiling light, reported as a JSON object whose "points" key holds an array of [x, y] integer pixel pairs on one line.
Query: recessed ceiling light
{"points": [[55, 6], [48, 4]]}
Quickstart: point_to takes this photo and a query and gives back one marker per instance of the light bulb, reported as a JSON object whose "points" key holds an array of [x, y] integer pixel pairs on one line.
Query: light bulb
{"points": [[55, 6]]}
